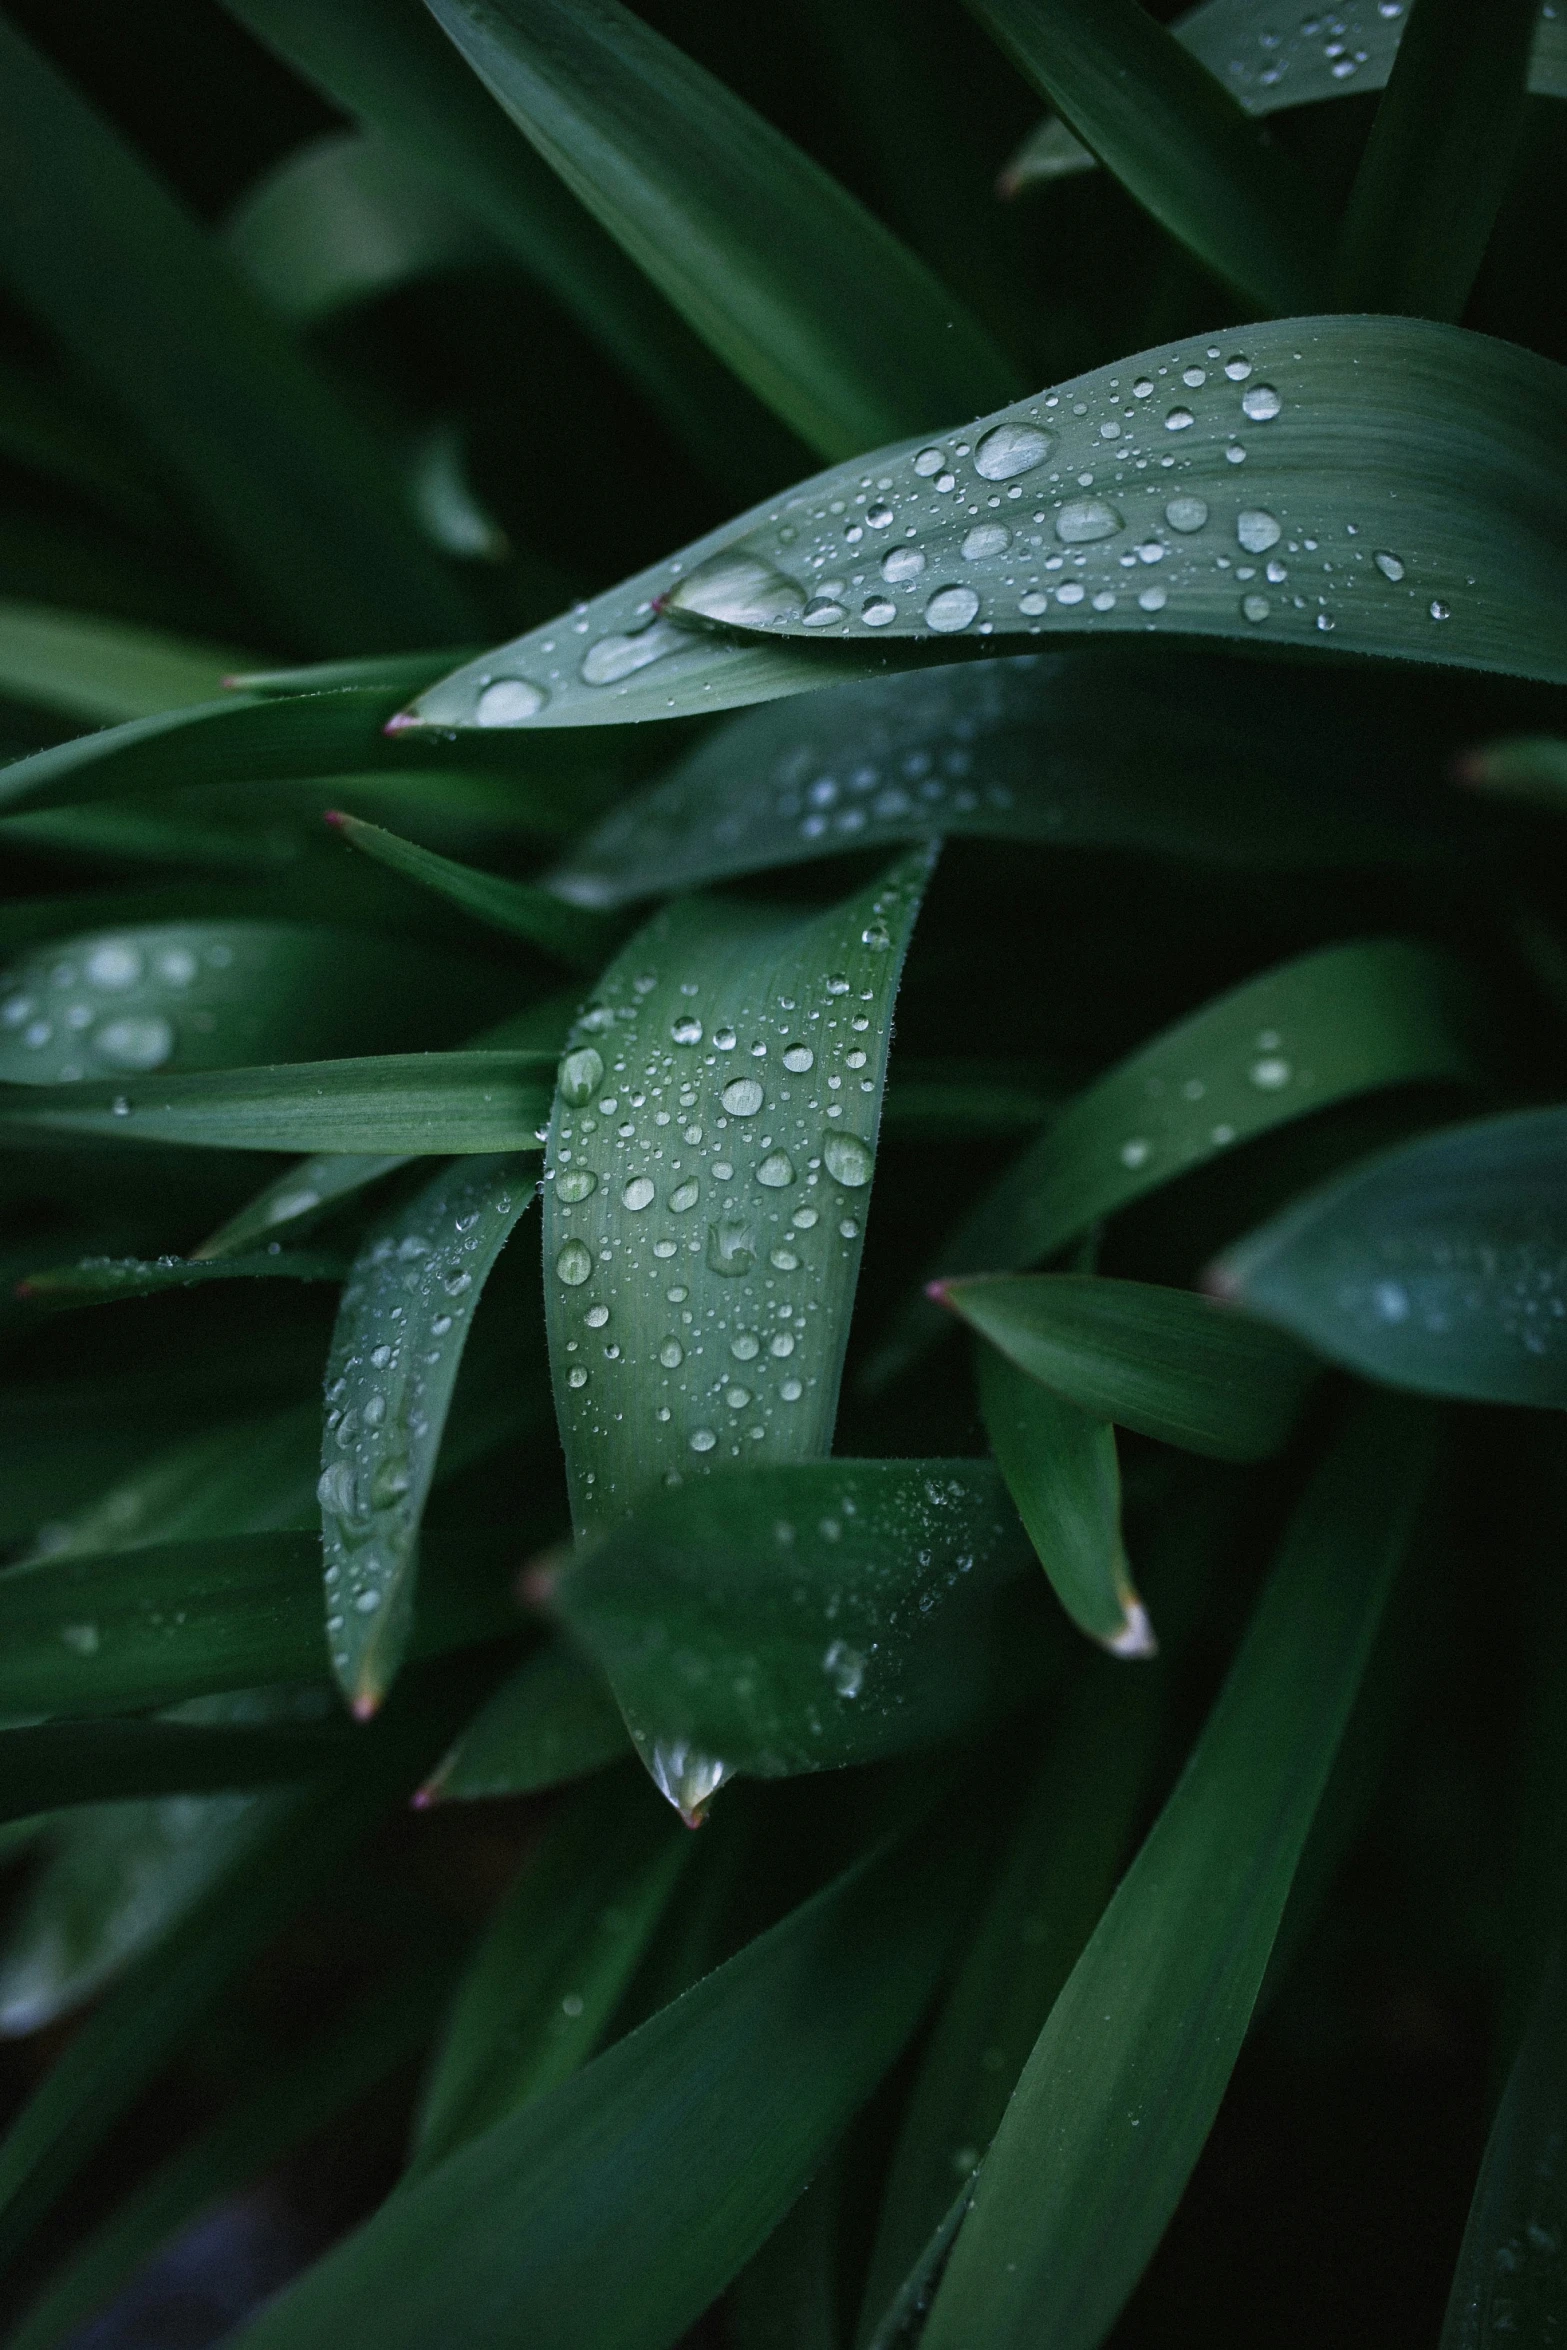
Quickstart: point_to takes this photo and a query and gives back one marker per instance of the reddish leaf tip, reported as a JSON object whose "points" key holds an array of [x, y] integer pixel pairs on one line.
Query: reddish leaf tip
{"points": [[936, 1291], [422, 1798], [333, 816], [365, 1706], [25, 1289], [400, 724], [1470, 768]]}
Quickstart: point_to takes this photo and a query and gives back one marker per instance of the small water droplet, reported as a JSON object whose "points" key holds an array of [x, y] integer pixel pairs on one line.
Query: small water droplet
{"points": [[878, 611], [1135, 1152], [776, 1170], [142, 1041], [797, 1058], [1258, 530], [1010, 449], [785, 1260], [1186, 513], [878, 516], [581, 1075], [929, 461], [1270, 1074], [876, 936], [1439, 610], [1179, 420], [685, 1195], [687, 1029], [1255, 607], [742, 1097], [1389, 566], [576, 1377], [702, 1440], [791, 1391], [573, 1265], [508, 702], [638, 1194], [1261, 403], [845, 1668], [951, 608], [822, 612], [576, 1184], [847, 1160], [901, 564], [737, 1397], [1153, 599], [1082, 520]]}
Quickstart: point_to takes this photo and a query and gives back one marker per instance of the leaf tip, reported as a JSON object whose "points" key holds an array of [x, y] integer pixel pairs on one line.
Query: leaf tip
{"points": [[1136, 1636], [365, 1705], [334, 817], [938, 1292], [400, 723]]}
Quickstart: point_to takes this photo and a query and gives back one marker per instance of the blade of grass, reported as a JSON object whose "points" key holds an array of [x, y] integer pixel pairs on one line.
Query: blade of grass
{"points": [[100, 1281], [103, 671], [522, 909], [553, 1721]]}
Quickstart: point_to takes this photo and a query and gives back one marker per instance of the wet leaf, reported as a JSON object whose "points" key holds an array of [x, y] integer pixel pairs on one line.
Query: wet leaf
{"points": [[1121, 2089], [1374, 486], [554, 1720], [405, 1103], [102, 671], [707, 1180], [1441, 1265], [1176, 139], [294, 1200], [396, 1349], [522, 909], [1063, 1475], [1163, 1361], [543, 1985], [775, 1620], [574, 2220], [100, 1281]]}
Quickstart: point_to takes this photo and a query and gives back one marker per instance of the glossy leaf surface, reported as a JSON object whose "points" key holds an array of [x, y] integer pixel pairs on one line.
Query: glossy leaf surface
{"points": [[102, 671], [519, 908], [553, 1720]]}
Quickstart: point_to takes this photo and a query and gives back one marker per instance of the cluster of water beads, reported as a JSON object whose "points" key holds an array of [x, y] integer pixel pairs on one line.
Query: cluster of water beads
{"points": [[1186, 1128], [101, 1005], [1443, 1285]]}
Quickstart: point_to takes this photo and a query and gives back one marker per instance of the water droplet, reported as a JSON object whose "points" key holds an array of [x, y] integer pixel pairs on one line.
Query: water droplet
{"points": [[731, 1249], [581, 1075], [876, 936], [1255, 607], [1270, 1074], [847, 1160], [577, 1377], [337, 1490], [576, 1184], [845, 1668], [791, 1391], [1261, 403], [1237, 369], [1135, 1152], [686, 1778], [596, 1317], [135, 1043], [671, 1354], [836, 984], [391, 1481], [685, 1195], [742, 1097], [508, 702], [638, 1194], [1186, 513], [1153, 599], [1440, 611], [776, 1170], [822, 612], [737, 1397], [1082, 520], [1258, 530], [114, 965], [615, 657], [804, 1219], [929, 461], [1179, 420], [573, 1265], [1010, 449], [740, 590], [951, 608], [687, 1029], [177, 965], [986, 538], [878, 516], [797, 1058], [702, 1440], [877, 611], [1389, 566], [900, 564], [785, 1260], [1193, 376]]}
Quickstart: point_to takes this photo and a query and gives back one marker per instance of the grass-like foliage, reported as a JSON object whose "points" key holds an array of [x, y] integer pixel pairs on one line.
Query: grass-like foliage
{"points": [[781, 1037]]}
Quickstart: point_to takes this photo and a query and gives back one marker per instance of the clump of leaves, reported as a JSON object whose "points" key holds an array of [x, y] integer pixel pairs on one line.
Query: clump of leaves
{"points": [[1026, 969]]}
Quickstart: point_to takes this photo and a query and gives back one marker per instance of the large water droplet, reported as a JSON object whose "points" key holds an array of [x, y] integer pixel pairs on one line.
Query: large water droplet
{"points": [[986, 538], [1261, 403], [845, 1668], [1389, 566], [878, 611], [1010, 449], [685, 1777], [929, 461], [1255, 607], [1258, 530], [143, 1042], [702, 1440], [687, 1029], [742, 1097], [731, 1249], [797, 1058], [1186, 513], [1082, 520], [581, 1075], [508, 702], [900, 564], [573, 1265], [741, 590], [822, 612], [1179, 420], [685, 1195], [671, 1354], [114, 965], [951, 608], [615, 657], [776, 1170], [847, 1160], [638, 1194], [576, 1184]]}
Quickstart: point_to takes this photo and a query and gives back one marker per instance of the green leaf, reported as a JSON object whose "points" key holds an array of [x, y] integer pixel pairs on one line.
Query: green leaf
{"points": [[1175, 139], [282, 2112], [1162, 1361], [100, 1281], [344, 220], [287, 481], [1508, 2283], [775, 1620], [246, 1476], [408, 1103], [385, 63], [1438, 160], [1527, 767], [110, 1631], [148, 836], [1267, 60], [1436, 1266], [1123, 747], [785, 2298], [1328, 1026], [543, 1985], [576, 2221], [1114, 2104], [797, 288], [57, 1764], [700, 1269], [396, 1349], [522, 909], [103, 670], [553, 1721], [1314, 448], [1063, 1475]]}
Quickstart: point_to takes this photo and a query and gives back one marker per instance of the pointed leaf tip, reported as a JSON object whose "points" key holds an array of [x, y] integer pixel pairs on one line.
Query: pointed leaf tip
{"points": [[400, 723], [936, 1291], [333, 816], [1136, 1637], [366, 1705]]}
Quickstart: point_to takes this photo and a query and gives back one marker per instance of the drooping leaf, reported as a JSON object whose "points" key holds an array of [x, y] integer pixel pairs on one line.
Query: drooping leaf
{"points": [[100, 1281], [288, 482], [344, 220], [405, 1103], [396, 1350], [1114, 2103], [574, 2221], [1063, 1474], [1163, 1361], [800, 291], [541, 1988], [554, 1720], [522, 909], [1438, 1266], [1115, 748], [707, 1180], [103, 671], [775, 1620], [1176, 139], [1438, 160], [1376, 486]]}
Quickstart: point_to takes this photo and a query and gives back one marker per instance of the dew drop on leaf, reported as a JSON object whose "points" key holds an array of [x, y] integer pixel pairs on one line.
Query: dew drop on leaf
{"points": [[573, 1265], [508, 702], [847, 1160], [1010, 449], [951, 608], [581, 1075], [1083, 520]]}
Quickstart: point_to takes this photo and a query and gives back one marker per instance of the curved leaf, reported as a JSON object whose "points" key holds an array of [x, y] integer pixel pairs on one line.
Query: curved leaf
{"points": [[706, 1185], [522, 909], [797, 288], [554, 1720], [396, 1349], [776, 1620], [100, 1281], [102, 671], [1114, 2103], [1162, 1361], [1376, 486], [1440, 1266]]}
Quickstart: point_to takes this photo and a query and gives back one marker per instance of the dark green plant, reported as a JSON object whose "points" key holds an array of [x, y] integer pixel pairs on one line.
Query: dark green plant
{"points": [[1157, 705]]}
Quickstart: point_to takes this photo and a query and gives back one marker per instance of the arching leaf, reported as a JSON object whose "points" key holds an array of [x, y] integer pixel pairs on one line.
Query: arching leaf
{"points": [[554, 1720], [522, 909]]}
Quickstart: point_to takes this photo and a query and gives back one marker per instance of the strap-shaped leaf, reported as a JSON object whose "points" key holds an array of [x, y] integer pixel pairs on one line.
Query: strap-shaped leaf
{"points": [[522, 909], [1122, 2087], [776, 1620], [554, 1720], [396, 1350], [706, 1186], [1062, 1472], [1117, 748], [1436, 1266], [285, 479], [574, 2221], [100, 1281], [805, 295], [544, 1983], [1364, 485], [403, 1103], [102, 671], [1162, 1361], [1175, 138]]}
